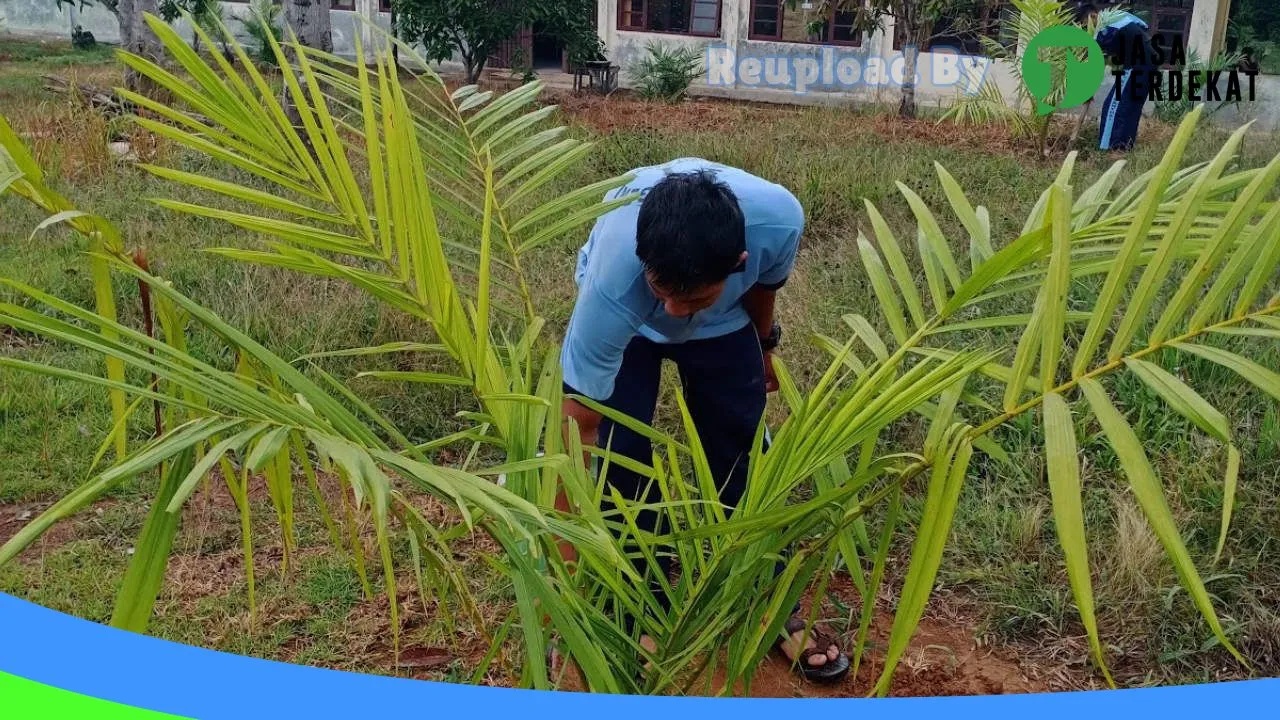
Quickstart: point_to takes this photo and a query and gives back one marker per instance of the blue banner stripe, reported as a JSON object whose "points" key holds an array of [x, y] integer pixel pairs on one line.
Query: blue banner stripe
{"points": [[65, 652]]}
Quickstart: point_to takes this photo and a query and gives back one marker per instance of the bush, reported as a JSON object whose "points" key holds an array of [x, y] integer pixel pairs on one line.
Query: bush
{"points": [[665, 74], [262, 24], [1173, 111]]}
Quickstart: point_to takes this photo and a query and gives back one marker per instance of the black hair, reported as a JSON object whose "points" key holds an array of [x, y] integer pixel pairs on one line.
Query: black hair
{"points": [[690, 232], [1085, 9]]}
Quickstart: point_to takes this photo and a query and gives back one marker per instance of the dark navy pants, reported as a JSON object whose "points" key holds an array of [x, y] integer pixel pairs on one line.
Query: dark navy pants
{"points": [[1122, 111], [723, 383]]}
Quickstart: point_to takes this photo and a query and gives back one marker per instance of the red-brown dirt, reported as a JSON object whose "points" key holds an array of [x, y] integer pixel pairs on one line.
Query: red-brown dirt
{"points": [[627, 112], [944, 658], [14, 516]]}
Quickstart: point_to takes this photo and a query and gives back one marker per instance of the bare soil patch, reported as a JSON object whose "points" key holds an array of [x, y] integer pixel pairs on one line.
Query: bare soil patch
{"points": [[15, 516], [943, 659], [947, 656], [626, 112]]}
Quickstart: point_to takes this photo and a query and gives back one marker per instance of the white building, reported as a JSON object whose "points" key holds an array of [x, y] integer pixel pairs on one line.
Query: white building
{"points": [[770, 29], [734, 31]]}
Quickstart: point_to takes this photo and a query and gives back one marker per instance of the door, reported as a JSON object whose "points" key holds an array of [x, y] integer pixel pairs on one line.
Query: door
{"points": [[517, 49]]}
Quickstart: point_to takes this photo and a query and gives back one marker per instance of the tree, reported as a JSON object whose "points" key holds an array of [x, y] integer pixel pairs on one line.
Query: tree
{"points": [[135, 36], [309, 21], [1254, 30], [474, 29], [916, 23]]}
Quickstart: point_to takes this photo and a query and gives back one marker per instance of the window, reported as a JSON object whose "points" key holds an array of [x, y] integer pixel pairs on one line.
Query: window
{"points": [[681, 17], [961, 31], [631, 15], [777, 20], [1169, 19], [384, 6], [344, 4]]}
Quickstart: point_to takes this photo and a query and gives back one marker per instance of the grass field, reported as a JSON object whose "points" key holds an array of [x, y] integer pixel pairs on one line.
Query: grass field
{"points": [[1003, 585]]}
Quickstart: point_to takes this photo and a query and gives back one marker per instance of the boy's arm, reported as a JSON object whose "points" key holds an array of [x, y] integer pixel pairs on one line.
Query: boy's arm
{"points": [[599, 331], [758, 302]]}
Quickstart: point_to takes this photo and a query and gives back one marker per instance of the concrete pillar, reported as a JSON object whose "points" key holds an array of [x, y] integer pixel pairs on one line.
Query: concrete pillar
{"points": [[880, 45], [366, 16], [1208, 31], [734, 18], [880, 41], [607, 26]]}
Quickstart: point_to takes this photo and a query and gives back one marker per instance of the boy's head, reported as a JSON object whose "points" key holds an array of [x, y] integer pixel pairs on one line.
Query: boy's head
{"points": [[1087, 11], [690, 236]]}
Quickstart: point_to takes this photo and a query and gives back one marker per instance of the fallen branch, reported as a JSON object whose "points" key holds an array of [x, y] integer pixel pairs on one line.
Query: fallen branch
{"points": [[104, 99], [92, 96], [1075, 133]]}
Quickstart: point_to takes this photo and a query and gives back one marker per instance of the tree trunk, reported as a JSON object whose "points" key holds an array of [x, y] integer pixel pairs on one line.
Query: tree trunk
{"points": [[395, 35], [473, 61], [310, 21], [475, 68], [137, 38], [907, 106]]}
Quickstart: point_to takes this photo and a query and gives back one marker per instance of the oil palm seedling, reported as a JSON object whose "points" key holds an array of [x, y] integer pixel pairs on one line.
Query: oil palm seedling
{"points": [[430, 200], [982, 102]]}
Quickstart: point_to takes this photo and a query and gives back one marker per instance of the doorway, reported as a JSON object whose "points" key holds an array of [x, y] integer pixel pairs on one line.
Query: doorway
{"points": [[547, 51], [531, 48]]}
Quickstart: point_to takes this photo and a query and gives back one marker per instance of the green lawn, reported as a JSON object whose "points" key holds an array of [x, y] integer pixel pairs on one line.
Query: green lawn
{"points": [[1003, 573]]}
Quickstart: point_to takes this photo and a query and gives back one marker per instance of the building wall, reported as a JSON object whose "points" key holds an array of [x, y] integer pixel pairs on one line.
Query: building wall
{"points": [[42, 17], [626, 48]]}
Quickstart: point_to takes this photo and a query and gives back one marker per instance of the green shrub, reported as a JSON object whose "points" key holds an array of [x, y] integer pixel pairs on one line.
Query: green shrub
{"points": [[1172, 111], [263, 24], [665, 73]]}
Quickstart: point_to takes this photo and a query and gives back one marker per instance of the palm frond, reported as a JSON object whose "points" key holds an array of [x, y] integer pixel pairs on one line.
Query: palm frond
{"points": [[1217, 227]]}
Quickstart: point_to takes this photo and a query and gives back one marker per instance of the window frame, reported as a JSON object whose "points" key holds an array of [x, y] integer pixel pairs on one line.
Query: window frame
{"points": [[996, 17], [646, 5], [829, 40]]}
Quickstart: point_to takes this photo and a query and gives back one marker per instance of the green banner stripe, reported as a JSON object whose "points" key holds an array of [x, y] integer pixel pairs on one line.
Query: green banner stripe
{"points": [[23, 699]]}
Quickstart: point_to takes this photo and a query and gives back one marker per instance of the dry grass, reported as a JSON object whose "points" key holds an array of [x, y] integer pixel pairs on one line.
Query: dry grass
{"points": [[66, 138], [1136, 563]]}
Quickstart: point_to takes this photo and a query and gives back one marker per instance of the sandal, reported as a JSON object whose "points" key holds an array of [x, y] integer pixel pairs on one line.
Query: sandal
{"points": [[829, 671]]}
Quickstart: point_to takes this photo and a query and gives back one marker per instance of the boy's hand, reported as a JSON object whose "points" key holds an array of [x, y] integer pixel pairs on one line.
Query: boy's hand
{"points": [[770, 377]]}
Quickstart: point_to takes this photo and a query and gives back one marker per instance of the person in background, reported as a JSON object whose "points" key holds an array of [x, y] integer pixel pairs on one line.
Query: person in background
{"points": [[688, 273], [1124, 37]]}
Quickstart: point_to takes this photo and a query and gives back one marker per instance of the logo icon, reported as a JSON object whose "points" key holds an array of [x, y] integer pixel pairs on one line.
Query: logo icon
{"points": [[1077, 80]]}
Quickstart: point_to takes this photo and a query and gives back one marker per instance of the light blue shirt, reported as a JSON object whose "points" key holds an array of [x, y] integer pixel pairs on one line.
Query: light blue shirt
{"points": [[615, 302]]}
